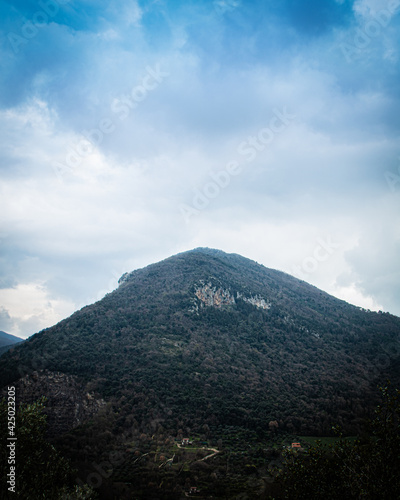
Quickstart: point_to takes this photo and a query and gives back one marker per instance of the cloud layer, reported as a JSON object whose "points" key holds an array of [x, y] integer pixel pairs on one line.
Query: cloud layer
{"points": [[131, 131]]}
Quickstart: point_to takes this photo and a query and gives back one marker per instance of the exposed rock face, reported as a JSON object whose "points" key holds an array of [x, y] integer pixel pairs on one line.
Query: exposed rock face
{"points": [[123, 278], [257, 301], [68, 403], [213, 296]]}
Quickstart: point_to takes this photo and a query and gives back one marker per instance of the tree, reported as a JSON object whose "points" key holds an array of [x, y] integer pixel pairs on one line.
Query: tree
{"points": [[273, 426], [40, 471]]}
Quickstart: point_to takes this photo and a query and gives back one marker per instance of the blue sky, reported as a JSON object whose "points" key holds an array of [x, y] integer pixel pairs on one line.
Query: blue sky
{"points": [[134, 130]]}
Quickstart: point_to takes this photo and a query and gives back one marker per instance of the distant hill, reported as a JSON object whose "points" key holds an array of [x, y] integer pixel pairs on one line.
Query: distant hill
{"points": [[7, 341], [206, 343]]}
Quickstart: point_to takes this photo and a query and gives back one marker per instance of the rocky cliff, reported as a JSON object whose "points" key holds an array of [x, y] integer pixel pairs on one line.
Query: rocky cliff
{"points": [[212, 296], [69, 404]]}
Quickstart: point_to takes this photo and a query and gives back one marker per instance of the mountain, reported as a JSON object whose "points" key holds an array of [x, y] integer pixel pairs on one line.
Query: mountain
{"points": [[7, 341], [204, 344]]}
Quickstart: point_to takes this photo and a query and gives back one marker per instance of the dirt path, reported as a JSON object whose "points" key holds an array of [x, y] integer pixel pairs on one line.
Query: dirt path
{"points": [[215, 452], [209, 456]]}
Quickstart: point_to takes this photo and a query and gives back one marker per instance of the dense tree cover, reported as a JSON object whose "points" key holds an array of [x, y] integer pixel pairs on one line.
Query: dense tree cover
{"points": [[40, 471], [366, 468]]}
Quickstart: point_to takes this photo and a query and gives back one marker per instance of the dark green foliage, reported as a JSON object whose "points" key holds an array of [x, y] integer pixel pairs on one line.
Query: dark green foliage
{"points": [[366, 468], [41, 472]]}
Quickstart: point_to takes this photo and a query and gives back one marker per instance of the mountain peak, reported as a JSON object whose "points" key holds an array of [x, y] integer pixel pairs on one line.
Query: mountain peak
{"points": [[179, 258], [207, 251], [214, 252]]}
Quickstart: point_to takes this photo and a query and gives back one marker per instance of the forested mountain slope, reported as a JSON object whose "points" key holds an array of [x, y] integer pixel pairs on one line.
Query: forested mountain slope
{"points": [[209, 338]]}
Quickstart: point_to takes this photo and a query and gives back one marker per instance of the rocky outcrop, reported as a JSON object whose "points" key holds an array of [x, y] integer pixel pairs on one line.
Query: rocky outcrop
{"points": [[256, 301], [212, 296], [124, 278], [68, 403]]}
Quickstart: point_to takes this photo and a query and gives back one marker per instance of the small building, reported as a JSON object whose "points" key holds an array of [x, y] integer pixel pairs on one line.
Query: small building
{"points": [[193, 490], [185, 441], [296, 445]]}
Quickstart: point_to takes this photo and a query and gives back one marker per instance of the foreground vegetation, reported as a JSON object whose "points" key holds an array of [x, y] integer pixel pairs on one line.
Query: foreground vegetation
{"points": [[41, 472], [366, 468], [240, 466]]}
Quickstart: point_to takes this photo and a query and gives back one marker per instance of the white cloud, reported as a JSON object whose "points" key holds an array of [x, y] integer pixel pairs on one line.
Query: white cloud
{"points": [[29, 308], [353, 295]]}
